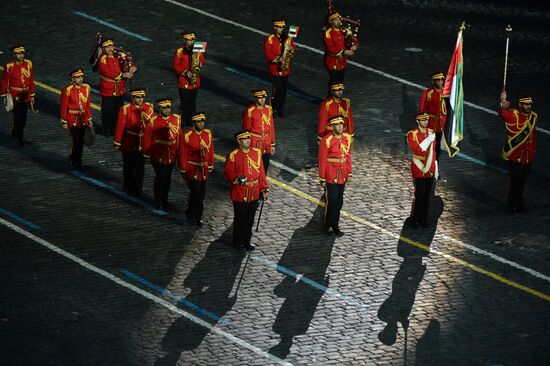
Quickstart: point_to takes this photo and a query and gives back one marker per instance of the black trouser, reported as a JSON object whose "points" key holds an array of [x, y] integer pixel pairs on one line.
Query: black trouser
{"points": [[278, 95], [266, 158], [133, 169], [19, 119], [162, 183], [334, 195], [195, 206], [422, 190], [188, 103], [77, 145], [518, 176], [244, 221], [335, 75], [438, 136], [109, 114]]}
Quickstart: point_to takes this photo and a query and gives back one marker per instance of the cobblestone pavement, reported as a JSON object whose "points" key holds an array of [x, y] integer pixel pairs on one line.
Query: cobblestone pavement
{"points": [[144, 288]]}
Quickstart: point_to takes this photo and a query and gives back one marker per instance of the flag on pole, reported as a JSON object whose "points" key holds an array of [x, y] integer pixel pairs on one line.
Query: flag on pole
{"points": [[293, 31], [453, 95], [199, 46]]}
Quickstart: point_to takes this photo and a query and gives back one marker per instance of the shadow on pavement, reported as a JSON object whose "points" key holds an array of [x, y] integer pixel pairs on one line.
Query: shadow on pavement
{"points": [[398, 307], [308, 254], [211, 282]]}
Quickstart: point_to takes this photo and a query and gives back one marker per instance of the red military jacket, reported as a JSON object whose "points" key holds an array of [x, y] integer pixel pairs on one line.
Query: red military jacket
{"points": [[259, 121], [111, 83], [131, 124], [335, 45], [335, 159], [182, 63], [273, 50], [248, 164], [330, 108], [516, 122], [161, 139], [431, 102], [196, 154], [75, 105], [18, 80], [423, 162]]}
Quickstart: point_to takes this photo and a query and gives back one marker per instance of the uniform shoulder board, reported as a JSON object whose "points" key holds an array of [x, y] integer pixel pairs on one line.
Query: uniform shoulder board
{"points": [[125, 107], [103, 59], [179, 51], [429, 94], [68, 89], [257, 150], [269, 107], [535, 114], [232, 154], [328, 103], [9, 65], [28, 62], [270, 38], [87, 86], [250, 110], [348, 137], [327, 141], [187, 134], [208, 131], [327, 32]]}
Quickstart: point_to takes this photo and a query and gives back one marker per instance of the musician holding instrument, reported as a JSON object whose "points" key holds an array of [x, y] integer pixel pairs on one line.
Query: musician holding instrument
{"points": [[112, 85], [188, 65], [17, 91], [76, 114], [279, 48], [520, 146], [339, 44]]}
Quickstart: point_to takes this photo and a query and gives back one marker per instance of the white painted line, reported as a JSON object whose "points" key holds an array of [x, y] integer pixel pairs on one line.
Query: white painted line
{"points": [[320, 52], [141, 292], [495, 257], [288, 169]]}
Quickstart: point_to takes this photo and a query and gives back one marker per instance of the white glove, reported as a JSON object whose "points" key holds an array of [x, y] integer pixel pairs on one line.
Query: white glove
{"points": [[426, 143]]}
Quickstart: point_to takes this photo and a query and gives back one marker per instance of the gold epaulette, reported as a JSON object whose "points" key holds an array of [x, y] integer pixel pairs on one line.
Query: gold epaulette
{"points": [[270, 38], [87, 86], [179, 51], [103, 59], [232, 154], [328, 103], [327, 141], [68, 89], [250, 109], [187, 134], [327, 32], [125, 107], [29, 62], [429, 94]]}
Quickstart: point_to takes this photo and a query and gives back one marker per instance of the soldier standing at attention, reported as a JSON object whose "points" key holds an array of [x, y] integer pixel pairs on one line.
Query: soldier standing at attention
{"points": [[333, 106], [334, 172], [335, 49], [245, 172], [132, 119], [431, 103], [18, 83], [76, 114], [196, 162]]}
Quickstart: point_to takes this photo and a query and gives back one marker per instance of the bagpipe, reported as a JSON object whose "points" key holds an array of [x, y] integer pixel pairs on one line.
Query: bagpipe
{"points": [[124, 57], [349, 26]]}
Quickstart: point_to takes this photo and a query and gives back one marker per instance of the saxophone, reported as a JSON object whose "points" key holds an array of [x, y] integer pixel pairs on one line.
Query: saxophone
{"points": [[195, 67], [287, 54]]}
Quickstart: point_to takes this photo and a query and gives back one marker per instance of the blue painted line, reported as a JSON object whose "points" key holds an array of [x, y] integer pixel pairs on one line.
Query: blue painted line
{"points": [[113, 26], [349, 299], [19, 219], [482, 163], [178, 298], [295, 93], [118, 192]]}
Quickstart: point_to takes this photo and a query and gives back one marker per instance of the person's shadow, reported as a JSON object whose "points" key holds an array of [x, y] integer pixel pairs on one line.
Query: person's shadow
{"points": [[305, 259], [428, 346], [397, 308], [211, 282]]}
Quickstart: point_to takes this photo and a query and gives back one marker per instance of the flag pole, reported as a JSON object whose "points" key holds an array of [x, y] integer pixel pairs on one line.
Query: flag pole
{"points": [[508, 31]]}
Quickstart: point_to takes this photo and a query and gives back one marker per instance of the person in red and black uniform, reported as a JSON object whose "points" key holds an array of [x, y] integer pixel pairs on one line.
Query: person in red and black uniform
{"points": [[334, 172], [432, 103], [245, 172], [335, 49], [133, 117], [421, 141], [333, 106], [18, 82], [196, 162], [160, 146], [112, 86], [258, 120], [520, 146], [273, 50], [188, 65], [76, 114]]}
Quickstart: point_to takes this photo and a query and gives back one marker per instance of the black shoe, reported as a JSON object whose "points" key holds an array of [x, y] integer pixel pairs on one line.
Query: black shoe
{"points": [[329, 231], [249, 247], [338, 232]]}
